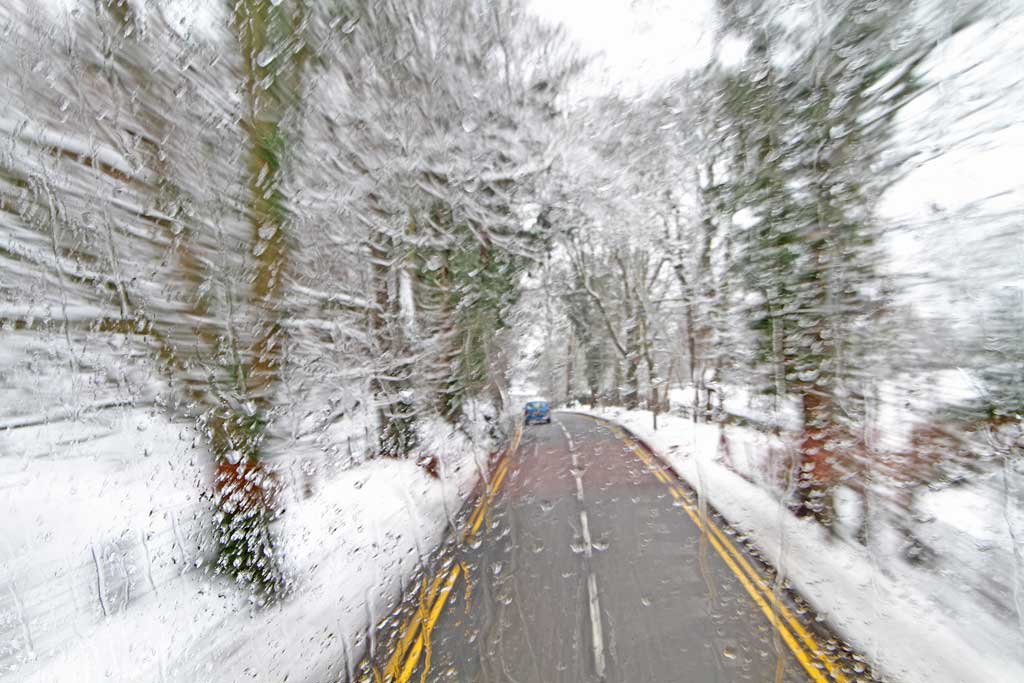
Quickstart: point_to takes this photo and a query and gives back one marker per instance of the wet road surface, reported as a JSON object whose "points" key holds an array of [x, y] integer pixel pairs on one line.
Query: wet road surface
{"points": [[585, 560]]}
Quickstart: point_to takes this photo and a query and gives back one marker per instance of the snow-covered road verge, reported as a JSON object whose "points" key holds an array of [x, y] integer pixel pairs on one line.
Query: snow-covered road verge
{"points": [[879, 603], [99, 557]]}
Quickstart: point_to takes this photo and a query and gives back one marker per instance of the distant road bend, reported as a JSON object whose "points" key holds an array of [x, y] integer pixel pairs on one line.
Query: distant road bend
{"points": [[586, 559]]}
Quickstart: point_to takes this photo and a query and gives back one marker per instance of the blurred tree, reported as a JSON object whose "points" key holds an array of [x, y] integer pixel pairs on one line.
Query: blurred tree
{"points": [[442, 142], [810, 113]]}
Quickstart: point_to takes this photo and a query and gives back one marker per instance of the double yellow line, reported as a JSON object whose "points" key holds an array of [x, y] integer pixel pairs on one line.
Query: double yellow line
{"points": [[477, 518], [800, 641], [414, 642]]}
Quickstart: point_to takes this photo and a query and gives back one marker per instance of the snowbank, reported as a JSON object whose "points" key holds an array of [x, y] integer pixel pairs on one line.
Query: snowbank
{"points": [[881, 605], [102, 554]]}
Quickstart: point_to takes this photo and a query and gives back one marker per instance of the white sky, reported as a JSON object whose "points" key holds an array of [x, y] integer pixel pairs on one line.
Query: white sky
{"points": [[639, 43], [978, 121]]}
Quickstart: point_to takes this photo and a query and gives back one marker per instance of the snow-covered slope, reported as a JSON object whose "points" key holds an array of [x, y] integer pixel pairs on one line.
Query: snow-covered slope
{"points": [[105, 545]]}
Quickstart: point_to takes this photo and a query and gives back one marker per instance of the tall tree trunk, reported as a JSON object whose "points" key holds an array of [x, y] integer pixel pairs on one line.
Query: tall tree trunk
{"points": [[691, 352], [652, 389], [631, 399], [814, 496], [616, 389], [246, 489], [396, 429], [448, 401], [691, 338], [570, 366]]}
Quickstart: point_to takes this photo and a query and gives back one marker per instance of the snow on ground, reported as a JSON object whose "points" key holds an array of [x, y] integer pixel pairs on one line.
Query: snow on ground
{"points": [[915, 625], [353, 547], [103, 541]]}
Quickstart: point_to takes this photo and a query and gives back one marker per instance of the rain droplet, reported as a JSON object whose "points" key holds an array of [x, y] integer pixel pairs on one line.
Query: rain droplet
{"points": [[266, 56]]}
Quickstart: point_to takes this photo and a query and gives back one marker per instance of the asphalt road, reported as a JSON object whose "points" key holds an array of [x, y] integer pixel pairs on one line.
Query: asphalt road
{"points": [[585, 560]]}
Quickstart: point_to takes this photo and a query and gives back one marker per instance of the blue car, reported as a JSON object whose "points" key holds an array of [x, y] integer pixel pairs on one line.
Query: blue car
{"points": [[537, 411]]}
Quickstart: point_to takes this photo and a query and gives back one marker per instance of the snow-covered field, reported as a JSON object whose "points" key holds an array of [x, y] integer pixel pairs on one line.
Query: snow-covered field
{"points": [[105, 538], [915, 624]]}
